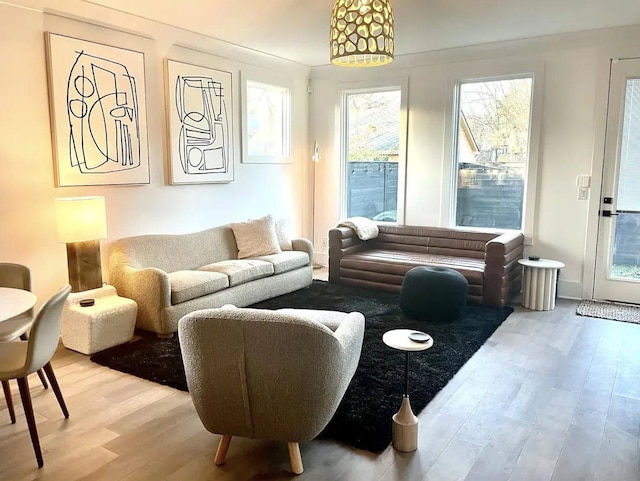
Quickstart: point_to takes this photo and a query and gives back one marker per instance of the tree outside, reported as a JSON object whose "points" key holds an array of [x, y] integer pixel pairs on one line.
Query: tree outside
{"points": [[493, 142], [498, 115], [374, 126], [373, 140]]}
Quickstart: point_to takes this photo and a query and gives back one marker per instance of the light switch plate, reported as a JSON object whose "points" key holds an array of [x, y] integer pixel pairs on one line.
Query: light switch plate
{"points": [[583, 181], [583, 193]]}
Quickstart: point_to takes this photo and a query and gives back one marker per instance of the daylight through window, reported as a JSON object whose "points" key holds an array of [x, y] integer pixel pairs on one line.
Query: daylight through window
{"points": [[492, 151], [372, 152], [267, 120]]}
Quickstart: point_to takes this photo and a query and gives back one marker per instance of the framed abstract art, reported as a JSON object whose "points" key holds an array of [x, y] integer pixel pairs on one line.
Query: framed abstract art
{"points": [[200, 123], [98, 113]]}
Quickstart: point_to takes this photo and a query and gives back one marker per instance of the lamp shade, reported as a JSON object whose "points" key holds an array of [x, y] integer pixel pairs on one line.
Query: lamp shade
{"points": [[361, 33], [80, 219]]}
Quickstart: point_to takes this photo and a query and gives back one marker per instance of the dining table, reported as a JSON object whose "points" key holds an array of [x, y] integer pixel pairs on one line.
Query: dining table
{"points": [[14, 302]]}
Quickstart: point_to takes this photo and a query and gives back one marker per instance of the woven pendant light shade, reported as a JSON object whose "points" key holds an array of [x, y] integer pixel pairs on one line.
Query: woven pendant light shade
{"points": [[361, 33]]}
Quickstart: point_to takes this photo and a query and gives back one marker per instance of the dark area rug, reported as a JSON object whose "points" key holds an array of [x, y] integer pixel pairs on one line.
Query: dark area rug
{"points": [[363, 419]]}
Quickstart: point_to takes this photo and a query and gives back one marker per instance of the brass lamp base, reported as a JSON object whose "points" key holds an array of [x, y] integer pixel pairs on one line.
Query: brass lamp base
{"points": [[85, 266]]}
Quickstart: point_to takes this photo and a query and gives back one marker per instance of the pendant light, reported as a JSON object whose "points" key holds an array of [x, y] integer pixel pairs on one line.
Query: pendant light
{"points": [[361, 33]]}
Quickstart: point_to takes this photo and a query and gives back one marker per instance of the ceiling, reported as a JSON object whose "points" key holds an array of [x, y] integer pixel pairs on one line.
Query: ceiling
{"points": [[298, 30]]}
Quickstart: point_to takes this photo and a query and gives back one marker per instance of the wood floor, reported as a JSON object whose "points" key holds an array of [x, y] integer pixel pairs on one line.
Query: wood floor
{"points": [[550, 396]]}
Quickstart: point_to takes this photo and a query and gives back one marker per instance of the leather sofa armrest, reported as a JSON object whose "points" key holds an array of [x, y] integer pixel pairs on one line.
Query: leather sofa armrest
{"points": [[504, 244], [501, 262], [303, 245], [342, 241]]}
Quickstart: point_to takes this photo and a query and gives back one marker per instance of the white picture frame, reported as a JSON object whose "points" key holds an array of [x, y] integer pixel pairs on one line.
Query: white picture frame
{"points": [[200, 123], [98, 111], [266, 120]]}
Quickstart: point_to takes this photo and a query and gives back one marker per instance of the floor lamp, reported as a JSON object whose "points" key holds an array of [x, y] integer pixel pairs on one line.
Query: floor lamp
{"points": [[81, 223], [315, 159]]}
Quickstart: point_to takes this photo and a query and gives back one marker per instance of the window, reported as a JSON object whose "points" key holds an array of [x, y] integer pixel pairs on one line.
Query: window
{"points": [[492, 132], [372, 150], [267, 124]]}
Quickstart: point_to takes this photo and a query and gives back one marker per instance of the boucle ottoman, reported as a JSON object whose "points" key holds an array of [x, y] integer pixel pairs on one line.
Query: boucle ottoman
{"points": [[109, 322], [433, 294]]}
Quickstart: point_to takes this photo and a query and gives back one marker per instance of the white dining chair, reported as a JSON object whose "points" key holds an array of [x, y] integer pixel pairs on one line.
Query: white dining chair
{"points": [[16, 276], [18, 359]]}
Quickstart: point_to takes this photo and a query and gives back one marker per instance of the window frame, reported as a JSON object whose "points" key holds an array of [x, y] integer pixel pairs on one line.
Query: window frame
{"points": [[449, 199], [287, 109], [369, 87]]}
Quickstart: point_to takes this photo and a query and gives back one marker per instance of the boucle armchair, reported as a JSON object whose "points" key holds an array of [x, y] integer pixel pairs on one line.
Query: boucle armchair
{"points": [[274, 375]]}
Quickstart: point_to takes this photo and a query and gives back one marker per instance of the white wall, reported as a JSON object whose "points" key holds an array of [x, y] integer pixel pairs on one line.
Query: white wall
{"points": [[574, 92], [571, 138], [27, 191]]}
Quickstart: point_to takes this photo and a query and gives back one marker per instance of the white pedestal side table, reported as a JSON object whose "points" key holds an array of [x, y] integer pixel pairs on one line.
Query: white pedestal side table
{"points": [[405, 423], [539, 283], [109, 322]]}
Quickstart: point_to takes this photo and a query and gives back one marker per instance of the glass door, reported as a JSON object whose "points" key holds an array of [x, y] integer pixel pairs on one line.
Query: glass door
{"points": [[618, 254]]}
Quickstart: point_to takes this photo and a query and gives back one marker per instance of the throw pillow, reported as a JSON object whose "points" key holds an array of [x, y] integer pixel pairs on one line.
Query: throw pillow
{"points": [[284, 234], [256, 237]]}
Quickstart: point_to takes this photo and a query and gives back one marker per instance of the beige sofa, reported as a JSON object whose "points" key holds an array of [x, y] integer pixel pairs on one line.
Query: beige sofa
{"points": [[172, 275]]}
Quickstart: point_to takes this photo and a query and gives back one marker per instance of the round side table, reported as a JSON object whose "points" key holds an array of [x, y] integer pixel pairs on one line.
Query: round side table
{"points": [[405, 423], [539, 283]]}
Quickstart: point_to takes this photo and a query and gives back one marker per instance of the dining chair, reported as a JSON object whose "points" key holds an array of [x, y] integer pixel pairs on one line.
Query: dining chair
{"points": [[18, 359], [16, 276]]}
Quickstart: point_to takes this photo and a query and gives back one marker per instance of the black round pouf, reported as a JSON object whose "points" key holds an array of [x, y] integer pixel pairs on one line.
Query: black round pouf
{"points": [[433, 294]]}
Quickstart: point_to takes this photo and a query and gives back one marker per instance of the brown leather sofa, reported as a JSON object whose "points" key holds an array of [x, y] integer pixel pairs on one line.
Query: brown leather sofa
{"points": [[488, 260]]}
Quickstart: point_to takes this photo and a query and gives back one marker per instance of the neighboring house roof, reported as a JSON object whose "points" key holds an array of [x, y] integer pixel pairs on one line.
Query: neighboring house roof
{"points": [[385, 139], [466, 131]]}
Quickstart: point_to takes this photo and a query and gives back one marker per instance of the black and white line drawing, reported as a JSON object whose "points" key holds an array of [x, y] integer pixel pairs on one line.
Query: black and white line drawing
{"points": [[98, 112], [102, 106], [200, 106]]}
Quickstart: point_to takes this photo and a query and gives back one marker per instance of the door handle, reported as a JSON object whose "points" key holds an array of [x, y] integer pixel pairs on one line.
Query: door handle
{"points": [[607, 213]]}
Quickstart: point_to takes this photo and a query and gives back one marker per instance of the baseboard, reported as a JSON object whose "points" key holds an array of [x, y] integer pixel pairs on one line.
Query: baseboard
{"points": [[569, 289], [320, 258]]}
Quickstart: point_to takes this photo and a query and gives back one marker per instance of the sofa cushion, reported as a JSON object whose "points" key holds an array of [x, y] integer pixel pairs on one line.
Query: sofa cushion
{"points": [[399, 262], [286, 261], [187, 285], [240, 271], [256, 237]]}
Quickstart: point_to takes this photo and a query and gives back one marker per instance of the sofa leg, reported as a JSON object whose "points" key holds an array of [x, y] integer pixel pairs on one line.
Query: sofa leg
{"points": [[223, 447], [168, 335], [295, 458]]}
